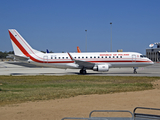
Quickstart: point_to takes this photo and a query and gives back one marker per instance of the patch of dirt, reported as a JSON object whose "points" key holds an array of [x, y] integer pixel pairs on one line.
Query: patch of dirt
{"points": [[156, 84]]}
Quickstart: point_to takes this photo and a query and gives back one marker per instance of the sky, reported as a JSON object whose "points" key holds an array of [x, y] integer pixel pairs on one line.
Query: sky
{"points": [[59, 25]]}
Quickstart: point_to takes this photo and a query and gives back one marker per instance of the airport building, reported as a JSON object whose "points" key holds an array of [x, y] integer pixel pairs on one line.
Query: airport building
{"points": [[154, 53]]}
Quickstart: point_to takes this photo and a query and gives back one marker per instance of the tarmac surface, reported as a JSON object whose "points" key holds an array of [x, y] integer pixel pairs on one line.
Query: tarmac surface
{"points": [[14, 68], [79, 106]]}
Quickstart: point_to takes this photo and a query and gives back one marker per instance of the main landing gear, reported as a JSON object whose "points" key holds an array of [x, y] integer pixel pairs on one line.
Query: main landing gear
{"points": [[135, 70], [83, 71]]}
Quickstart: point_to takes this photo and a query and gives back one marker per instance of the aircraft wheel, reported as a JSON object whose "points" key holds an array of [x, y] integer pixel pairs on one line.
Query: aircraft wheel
{"points": [[82, 71]]}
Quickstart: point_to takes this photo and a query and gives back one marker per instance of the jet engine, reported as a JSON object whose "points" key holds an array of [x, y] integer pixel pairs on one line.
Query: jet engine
{"points": [[101, 68]]}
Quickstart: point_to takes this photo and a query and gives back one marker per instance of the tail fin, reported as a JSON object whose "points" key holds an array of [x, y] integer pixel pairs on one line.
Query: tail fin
{"points": [[20, 46], [78, 50], [47, 51]]}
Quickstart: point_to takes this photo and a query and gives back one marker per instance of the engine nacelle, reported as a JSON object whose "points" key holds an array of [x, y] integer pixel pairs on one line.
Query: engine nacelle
{"points": [[101, 68]]}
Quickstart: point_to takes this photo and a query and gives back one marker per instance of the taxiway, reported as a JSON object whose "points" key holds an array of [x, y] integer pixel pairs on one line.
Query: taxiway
{"points": [[8, 68]]}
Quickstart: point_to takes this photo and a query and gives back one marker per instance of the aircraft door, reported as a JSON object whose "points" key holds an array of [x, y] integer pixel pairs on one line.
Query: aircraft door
{"points": [[133, 58], [45, 59]]}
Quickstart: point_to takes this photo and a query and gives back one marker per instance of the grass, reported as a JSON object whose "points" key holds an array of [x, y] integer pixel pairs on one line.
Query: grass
{"points": [[17, 89]]}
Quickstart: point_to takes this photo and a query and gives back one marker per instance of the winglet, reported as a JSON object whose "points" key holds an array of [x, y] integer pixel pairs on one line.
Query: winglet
{"points": [[78, 50], [71, 57]]}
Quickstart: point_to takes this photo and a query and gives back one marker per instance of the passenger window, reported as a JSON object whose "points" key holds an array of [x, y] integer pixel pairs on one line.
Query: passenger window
{"points": [[98, 56], [82, 57], [106, 57], [113, 56], [59, 57], [120, 56], [55, 58], [86, 57], [62, 57], [91, 57], [102, 57], [109, 56], [75, 57], [117, 56], [94, 56], [78, 57], [66, 57]]}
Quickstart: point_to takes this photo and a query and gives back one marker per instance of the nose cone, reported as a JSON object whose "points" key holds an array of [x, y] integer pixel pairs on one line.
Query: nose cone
{"points": [[151, 62]]}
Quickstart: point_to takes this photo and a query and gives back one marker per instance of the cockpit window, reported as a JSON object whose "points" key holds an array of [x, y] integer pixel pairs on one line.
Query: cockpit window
{"points": [[142, 56]]}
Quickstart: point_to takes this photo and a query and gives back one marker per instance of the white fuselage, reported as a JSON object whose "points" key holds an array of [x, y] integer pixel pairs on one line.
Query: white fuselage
{"points": [[114, 59]]}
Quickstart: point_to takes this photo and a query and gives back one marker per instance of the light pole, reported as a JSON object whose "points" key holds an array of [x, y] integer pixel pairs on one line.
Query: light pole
{"points": [[111, 35], [86, 40]]}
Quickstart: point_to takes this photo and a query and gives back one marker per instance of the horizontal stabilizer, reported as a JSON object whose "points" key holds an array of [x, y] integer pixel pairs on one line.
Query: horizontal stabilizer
{"points": [[10, 56], [19, 58]]}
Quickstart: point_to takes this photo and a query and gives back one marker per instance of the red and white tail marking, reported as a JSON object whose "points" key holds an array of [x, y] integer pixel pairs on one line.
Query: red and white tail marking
{"points": [[20, 46]]}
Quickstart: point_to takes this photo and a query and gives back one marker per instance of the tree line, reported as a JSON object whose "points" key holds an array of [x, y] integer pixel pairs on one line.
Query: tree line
{"points": [[4, 54]]}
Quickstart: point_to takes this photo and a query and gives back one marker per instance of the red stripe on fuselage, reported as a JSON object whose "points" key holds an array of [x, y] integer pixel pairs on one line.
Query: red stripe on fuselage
{"points": [[118, 61], [35, 60]]}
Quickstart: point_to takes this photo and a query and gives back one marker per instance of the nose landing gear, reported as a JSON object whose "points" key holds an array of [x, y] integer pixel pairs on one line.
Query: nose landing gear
{"points": [[135, 70]]}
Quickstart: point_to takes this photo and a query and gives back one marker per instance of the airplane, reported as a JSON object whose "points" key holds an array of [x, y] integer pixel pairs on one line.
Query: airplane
{"points": [[96, 61], [47, 51], [78, 50]]}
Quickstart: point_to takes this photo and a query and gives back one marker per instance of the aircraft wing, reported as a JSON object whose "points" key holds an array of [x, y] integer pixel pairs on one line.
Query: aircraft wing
{"points": [[82, 64]]}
